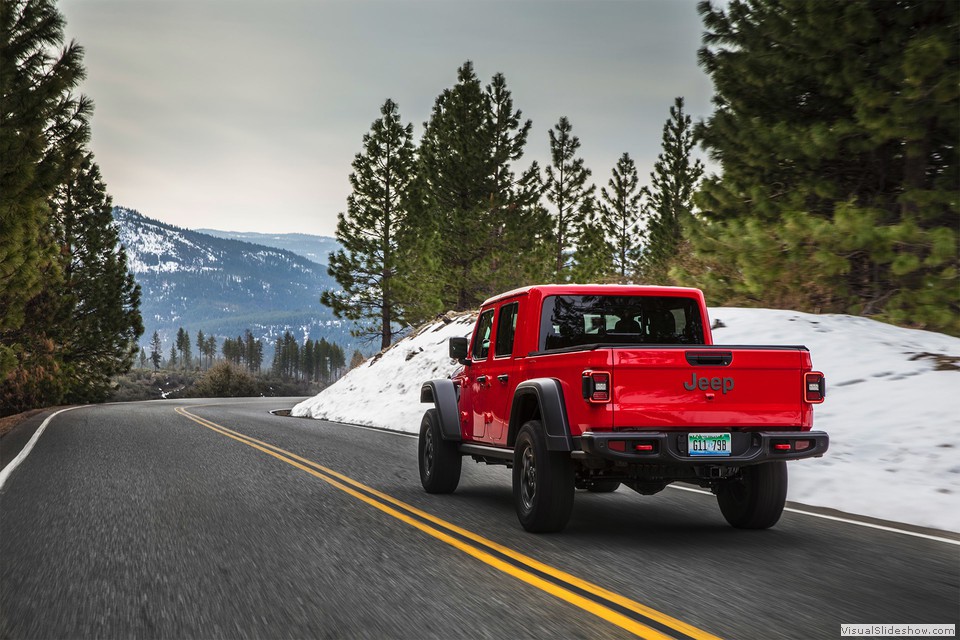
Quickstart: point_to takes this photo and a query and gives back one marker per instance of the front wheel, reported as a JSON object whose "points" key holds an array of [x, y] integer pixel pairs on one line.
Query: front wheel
{"points": [[543, 482], [440, 459], [756, 499]]}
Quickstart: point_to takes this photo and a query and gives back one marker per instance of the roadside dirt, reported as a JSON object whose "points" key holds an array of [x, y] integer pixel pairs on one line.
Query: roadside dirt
{"points": [[8, 423]]}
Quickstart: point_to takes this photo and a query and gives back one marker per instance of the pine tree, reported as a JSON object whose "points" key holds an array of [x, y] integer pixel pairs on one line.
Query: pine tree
{"points": [[567, 191], [286, 357], [620, 218], [100, 298], [187, 351], [356, 359], [321, 355], [201, 347], [669, 197], [837, 127], [70, 309], [239, 351], [41, 120], [156, 348], [183, 347], [338, 360], [518, 241], [454, 163], [592, 257], [143, 358], [227, 349], [468, 190], [253, 351], [211, 349], [172, 360], [308, 360], [369, 268]]}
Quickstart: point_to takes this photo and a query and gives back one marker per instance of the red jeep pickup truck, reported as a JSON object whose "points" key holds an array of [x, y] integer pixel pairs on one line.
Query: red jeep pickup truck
{"points": [[594, 386]]}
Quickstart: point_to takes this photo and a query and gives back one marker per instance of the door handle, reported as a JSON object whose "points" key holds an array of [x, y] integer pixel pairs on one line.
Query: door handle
{"points": [[481, 379], [503, 378]]}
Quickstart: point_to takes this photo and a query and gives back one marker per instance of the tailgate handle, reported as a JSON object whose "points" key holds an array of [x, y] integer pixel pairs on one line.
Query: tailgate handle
{"points": [[709, 358]]}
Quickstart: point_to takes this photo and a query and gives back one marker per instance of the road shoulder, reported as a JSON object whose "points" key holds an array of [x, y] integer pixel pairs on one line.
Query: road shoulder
{"points": [[16, 431]]}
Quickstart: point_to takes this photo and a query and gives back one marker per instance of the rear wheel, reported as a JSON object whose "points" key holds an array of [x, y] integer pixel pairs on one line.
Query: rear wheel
{"points": [[543, 482], [756, 499], [439, 459]]}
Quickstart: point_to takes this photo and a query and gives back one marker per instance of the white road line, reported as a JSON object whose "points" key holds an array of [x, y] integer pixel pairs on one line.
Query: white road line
{"points": [[7, 470], [858, 523]]}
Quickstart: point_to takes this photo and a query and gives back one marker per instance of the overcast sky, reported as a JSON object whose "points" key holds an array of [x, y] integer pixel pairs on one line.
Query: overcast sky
{"points": [[245, 115]]}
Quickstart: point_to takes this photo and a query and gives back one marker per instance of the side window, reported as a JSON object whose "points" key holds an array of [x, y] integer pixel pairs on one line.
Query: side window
{"points": [[506, 329], [481, 339]]}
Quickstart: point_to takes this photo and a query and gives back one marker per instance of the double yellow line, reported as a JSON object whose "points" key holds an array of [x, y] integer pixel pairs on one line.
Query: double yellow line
{"points": [[522, 567]]}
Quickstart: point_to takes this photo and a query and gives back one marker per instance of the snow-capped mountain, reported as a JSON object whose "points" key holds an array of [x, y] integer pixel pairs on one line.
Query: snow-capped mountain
{"points": [[223, 286], [313, 248]]}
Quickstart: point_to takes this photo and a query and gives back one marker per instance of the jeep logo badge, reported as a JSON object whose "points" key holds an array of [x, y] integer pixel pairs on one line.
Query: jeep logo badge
{"points": [[706, 384]]}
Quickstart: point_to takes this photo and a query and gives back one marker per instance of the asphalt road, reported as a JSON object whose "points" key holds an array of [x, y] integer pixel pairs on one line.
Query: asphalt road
{"points": [[224, 521]]}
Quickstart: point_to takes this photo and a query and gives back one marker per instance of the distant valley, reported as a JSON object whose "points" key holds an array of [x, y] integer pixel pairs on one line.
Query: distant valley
{"points": [[222, 282]]}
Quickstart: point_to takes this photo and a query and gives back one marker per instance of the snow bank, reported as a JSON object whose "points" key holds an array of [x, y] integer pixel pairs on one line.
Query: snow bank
{"points": [[890, 410], [385, 390]]}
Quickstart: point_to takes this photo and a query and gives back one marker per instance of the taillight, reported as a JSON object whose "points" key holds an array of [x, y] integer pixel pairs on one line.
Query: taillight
{"points": [[787, 446], [814, 387], [596, 386]]}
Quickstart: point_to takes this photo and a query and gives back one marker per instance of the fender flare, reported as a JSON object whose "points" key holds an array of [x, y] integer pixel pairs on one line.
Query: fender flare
{"points": [[553, 414], [443, 395]]}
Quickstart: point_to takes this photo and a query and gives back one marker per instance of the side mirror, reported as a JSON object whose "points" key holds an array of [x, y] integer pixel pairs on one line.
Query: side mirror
{"points": [[458, 350]]}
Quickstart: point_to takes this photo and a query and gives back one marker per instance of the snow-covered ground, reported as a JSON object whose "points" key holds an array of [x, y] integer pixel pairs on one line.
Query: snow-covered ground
{"points": [[891, 410]]}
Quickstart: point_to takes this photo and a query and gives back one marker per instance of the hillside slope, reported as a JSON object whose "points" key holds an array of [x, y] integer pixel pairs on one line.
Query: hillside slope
{"points": [[223, 286], [890, 409], [314, 248]]}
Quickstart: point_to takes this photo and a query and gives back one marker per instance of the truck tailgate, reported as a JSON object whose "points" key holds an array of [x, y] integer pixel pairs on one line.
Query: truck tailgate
{"points": [[710, 387]]}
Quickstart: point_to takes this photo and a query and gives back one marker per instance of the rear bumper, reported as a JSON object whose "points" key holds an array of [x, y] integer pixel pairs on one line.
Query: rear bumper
{"points": [[670, 448]]}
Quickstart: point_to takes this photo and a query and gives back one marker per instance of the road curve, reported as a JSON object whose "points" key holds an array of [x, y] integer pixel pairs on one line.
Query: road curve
{"points": [[214, 519]]}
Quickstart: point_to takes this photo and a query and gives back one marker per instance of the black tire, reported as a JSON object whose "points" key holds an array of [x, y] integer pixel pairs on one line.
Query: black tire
{"points": [[754, 501], [603, 486], [543, 482], [439, 459]]}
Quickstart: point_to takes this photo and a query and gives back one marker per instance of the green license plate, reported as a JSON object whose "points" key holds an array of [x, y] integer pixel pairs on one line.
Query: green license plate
{"points": [[709, 444]]}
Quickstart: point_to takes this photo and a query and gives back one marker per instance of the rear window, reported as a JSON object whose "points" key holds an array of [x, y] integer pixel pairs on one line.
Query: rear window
{"points": [[573, 321]]}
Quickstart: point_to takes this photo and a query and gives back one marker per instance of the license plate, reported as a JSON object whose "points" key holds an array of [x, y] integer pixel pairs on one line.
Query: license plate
{"points": [[709, 444]]}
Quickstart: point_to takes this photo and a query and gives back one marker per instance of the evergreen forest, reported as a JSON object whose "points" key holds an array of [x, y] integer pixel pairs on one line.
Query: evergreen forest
{"points": [[201, 365], [834, 133], [69, 308], [835, 130]]}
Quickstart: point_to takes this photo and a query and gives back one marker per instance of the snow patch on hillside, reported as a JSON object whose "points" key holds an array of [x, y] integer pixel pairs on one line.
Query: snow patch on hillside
{"points": [[890, 410], [152, 249], [384, 391]]}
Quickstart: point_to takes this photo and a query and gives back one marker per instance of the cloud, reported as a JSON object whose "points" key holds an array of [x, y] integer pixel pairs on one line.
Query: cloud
{"points": [[245, 114]]}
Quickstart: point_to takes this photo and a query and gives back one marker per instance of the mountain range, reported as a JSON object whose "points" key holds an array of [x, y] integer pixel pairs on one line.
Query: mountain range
{"points": [[314, 248], [222, 284]]}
